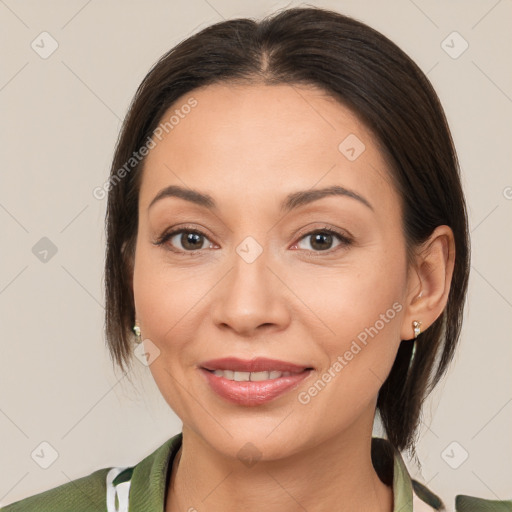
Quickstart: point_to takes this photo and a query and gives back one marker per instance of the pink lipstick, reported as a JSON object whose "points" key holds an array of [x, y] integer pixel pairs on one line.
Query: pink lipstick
{"points": [[252, 382]]}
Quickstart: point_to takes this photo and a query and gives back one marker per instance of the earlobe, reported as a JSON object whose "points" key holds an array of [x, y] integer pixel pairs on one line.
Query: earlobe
{"points": [[430, 282]]}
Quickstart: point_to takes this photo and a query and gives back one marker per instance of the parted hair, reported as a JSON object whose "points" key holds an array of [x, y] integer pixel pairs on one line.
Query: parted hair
{"points": [[375, 79]]}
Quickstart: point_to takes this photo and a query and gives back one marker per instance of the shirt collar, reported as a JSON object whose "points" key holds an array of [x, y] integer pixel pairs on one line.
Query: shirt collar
{"points": [[150, 476]]}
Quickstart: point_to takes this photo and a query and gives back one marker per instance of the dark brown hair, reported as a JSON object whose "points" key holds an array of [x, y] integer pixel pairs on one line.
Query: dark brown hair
{"points": [[369, 74]]}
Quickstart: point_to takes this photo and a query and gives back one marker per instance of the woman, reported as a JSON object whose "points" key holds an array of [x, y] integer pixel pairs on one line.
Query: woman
{"points": [[287, 237]]}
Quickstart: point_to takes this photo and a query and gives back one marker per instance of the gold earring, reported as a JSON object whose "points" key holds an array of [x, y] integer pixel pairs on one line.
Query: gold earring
{"points": [[136, 330]]}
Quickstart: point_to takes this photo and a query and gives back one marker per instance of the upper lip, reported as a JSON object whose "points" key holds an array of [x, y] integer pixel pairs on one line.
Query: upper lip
{"points": [[259, 364]]}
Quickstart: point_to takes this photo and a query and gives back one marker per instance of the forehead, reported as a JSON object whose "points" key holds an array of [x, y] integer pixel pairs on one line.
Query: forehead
{"points": [[255, 140]]}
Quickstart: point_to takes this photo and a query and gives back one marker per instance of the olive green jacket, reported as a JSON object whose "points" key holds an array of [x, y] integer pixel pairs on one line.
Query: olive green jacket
{"points": [[142, 488]]}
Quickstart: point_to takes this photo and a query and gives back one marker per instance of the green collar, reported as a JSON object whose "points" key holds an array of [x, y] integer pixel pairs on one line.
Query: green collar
{"points": [[149, 477]]}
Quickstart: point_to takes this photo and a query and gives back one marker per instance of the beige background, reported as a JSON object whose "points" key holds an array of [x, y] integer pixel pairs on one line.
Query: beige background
{"points": [[60, 119]]}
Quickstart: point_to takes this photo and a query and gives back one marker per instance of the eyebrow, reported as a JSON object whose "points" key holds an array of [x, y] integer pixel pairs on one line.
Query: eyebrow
{"points": [[292, 201]]}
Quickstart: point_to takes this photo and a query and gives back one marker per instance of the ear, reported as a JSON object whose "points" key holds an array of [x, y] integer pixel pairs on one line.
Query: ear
{"points": [[429, 281]]}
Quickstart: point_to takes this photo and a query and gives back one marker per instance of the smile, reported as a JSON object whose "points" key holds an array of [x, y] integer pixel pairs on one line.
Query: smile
{"points": [[254, 382]]}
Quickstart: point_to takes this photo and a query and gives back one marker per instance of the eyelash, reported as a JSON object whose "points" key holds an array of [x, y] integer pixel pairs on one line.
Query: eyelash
{"points": [[345, 240]]}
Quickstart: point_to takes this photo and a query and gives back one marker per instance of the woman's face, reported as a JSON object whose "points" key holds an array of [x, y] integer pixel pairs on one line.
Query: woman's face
{"points": [[270, 268]]}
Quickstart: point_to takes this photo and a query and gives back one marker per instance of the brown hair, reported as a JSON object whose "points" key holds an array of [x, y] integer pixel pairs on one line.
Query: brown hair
{"points": [[369, 74]]}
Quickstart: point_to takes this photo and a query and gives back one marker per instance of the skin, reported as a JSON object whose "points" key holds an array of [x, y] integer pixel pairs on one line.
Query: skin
{"points": [[248, 146]]}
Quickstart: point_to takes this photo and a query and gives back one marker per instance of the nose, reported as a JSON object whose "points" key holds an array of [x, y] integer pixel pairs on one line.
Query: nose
{"points": [[251, 299]]}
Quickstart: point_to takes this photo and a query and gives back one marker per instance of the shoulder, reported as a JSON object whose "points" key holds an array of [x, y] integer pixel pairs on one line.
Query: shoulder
{"points": [[424, 500], [472, 504], [83, 494], [413, 496], [108, 489]]}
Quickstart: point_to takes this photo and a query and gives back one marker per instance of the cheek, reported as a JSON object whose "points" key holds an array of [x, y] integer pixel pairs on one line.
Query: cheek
{"points": [[163, 295], [172, 302], [164, 301], [364, 311], [360, 308], [348, 300]]}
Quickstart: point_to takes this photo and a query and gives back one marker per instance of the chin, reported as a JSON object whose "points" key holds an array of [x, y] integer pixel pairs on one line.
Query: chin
{"points": [[255, 437]]}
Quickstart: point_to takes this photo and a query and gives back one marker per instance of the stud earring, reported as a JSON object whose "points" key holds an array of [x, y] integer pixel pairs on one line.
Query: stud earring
{"points": [[136, 330]]}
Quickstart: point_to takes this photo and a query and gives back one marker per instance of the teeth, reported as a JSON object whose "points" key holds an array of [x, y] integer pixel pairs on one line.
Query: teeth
{"points": [[241, 376], [250, 376], [228, 374], [256, 376]]}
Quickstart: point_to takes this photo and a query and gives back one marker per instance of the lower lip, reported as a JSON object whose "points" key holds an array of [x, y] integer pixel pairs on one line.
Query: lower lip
{"points": [[253, 393]]}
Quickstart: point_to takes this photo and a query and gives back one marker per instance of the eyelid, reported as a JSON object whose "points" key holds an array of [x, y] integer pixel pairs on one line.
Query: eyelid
{"points": [[175, 230], [344, 237]]}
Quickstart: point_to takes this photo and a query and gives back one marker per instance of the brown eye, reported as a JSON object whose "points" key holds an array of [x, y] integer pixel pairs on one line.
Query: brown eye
{"points": [[184, 240], [323, 240], [191, 240]]}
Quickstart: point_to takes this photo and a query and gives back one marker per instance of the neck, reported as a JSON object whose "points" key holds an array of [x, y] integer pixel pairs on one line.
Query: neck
{"points": [[336, 474]]}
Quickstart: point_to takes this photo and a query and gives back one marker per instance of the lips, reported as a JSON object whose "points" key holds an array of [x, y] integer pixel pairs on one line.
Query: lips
{"points": [[254, 382]]}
